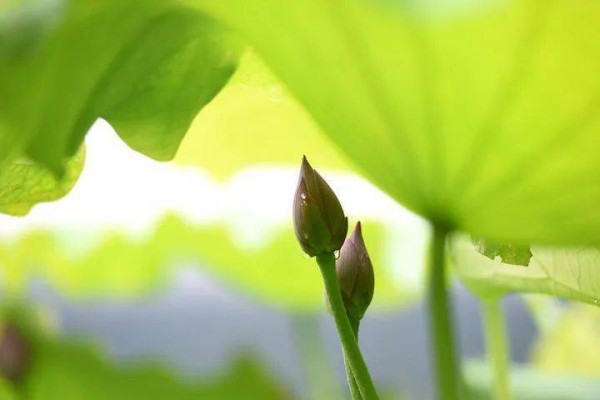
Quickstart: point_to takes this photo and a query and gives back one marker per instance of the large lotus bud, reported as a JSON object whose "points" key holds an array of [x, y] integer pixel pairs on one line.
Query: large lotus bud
{"points": [[319, 221], [355, 275]]}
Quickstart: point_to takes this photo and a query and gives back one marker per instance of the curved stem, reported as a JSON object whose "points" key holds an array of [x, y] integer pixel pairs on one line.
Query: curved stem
{"points": [[354, 390], [440, 320], [495, 336], [350, 345]]}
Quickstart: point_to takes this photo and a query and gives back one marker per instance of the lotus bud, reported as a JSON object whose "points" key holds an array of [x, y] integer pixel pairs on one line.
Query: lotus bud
{"points": [[355, 275], [319, 221]]}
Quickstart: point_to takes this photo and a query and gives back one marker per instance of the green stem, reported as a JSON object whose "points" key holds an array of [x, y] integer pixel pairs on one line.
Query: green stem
{"points": [[354, 390], [344, 328], [495, 336], [446, 367]]}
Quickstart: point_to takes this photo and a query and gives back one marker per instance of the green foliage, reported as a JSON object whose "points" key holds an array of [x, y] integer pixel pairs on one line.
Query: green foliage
{"points": [[482, 116], [146, 67], [117, 266], [253, 120], [6, 391], [24, 184], [63, 371], [569, 273], [509, 253], [529, 384]]}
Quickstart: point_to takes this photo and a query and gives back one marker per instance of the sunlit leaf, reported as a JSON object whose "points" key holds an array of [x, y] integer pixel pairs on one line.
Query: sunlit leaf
{"points": [[253, 120], [22, 26], [274, 270], [146, 67], [481, 115], [572, 273], [23, 184], [573, 345], [509, 253]]}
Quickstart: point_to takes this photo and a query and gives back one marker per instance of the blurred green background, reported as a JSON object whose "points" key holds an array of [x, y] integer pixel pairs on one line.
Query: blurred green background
{"points": [[183, 279], [179, 285]]}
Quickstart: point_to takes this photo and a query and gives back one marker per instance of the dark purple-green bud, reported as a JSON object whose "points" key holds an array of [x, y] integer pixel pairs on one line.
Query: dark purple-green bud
{"points": [[319, 221], [15, 353], [355, 275]]}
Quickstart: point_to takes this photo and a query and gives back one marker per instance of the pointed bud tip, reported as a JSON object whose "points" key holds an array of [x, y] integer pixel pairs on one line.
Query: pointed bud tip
{"points": [[357, 237], [306, 170], [358, 228], [305, 164]]}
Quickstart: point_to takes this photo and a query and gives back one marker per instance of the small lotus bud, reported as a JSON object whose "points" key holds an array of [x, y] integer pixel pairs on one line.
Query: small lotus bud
{"points": [[14, 354], [355, 275], [319, 221]]}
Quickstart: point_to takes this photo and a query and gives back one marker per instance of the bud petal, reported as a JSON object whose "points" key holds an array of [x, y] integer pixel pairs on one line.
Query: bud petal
{"points": [[355, 275], [319, 221]]}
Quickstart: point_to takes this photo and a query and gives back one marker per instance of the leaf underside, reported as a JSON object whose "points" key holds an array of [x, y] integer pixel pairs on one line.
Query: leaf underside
{"points": [[571, 273], [254, 121], [147, 67], [509, 253], [25, 184], [480, 115]]}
